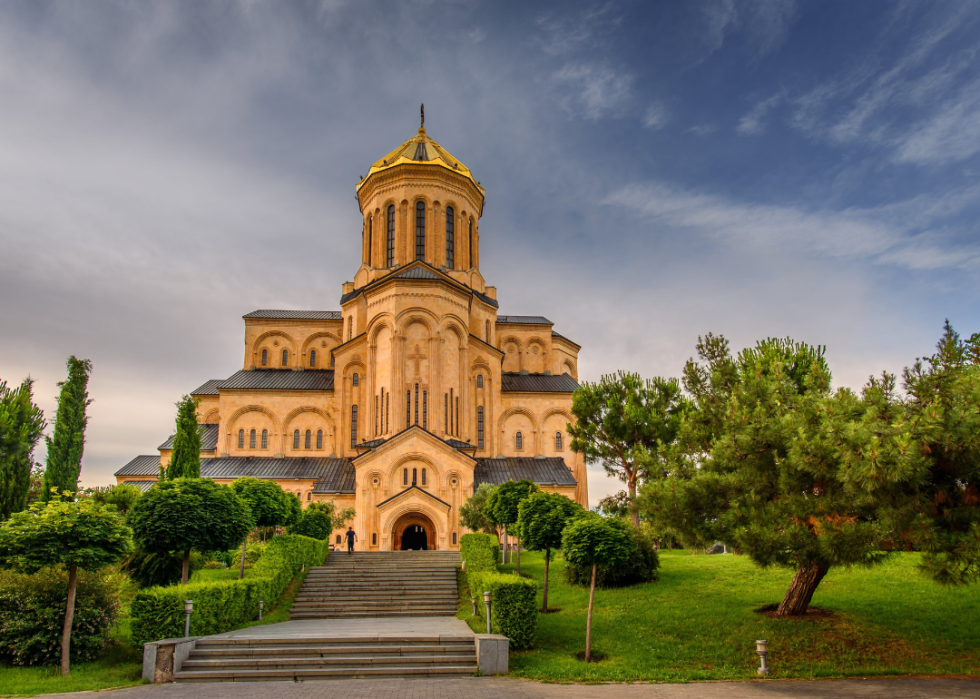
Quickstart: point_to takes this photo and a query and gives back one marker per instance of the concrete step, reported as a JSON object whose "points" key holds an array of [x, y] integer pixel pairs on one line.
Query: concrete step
{"points": [[298, 663], [393, 671], [346, 614]]}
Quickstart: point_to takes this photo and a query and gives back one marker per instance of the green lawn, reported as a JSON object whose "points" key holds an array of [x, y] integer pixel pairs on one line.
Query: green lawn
{"points": [[698, 623]]}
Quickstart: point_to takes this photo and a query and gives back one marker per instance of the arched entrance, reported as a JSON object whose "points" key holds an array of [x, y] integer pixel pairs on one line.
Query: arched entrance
{"points": [[414, 532]]}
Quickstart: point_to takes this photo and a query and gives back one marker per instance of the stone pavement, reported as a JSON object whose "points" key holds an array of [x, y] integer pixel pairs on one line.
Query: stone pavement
{"points": [[500, 688]]}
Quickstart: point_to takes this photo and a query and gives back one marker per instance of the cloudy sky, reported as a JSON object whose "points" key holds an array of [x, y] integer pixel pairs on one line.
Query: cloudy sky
{"points": [[654, 171]]}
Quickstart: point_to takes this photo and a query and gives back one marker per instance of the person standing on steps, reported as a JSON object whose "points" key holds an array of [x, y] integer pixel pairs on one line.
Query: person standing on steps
{"points": [[351, 538]]}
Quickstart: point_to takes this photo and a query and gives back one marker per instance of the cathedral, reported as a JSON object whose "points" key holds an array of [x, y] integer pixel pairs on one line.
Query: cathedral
{"points": [[410, 396]]}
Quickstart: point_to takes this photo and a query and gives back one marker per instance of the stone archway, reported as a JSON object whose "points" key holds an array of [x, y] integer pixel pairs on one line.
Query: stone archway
{"points": [[414, 530]]}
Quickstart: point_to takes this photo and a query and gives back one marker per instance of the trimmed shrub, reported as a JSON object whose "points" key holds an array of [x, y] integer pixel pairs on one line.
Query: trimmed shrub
{"points": [[32, 615], [316, 522], [253, 552], [224, 605], [480, 551], [513, 611], [641, 566]]}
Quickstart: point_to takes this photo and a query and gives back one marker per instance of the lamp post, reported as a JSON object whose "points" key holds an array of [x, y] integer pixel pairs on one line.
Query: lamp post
{"points": [[188, 608], [261, 605], [487, 598], [760, 649], [473, 600]]}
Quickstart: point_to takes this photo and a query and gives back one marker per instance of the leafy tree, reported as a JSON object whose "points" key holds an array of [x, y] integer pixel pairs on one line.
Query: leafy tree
{"points": [[591, 540], [541, 520], [36, 491], [622, 422], [616, 505], [185, 459], [472, 514], [502, 507], [758, 463], [316, 522], [154, 569], [270, 505], [78, 535], [122, 496], [190, 513], [66, 446], [21, 427]]}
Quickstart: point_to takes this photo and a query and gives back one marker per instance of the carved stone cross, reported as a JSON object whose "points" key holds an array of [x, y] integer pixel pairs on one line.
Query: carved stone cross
{"points": [[417, 358]]}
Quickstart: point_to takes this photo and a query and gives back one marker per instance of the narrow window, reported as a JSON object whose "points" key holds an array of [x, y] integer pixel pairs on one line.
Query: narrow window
{"points": [[408, 408], [487, 330], [265, 439], [387, 425], [416, 404], [420, 230], [451, 425], [241, 439], [338, 538], [374, 539], [308, 443], [333, 360], [457, 415], [557, 441], [454, 538], [423, 476], [353, 381], [479, 427], [391, 236], [309, 496], [296, 439], [353, 425], [370, 238], [265, 357], [415, 476], [471, 244], [375, 415], [445, 412], [313, 358], [519, 441], [425, 410], [405, 477], [450, 241], [285, 357], [251, 439], [319, 439], [479, 381]]}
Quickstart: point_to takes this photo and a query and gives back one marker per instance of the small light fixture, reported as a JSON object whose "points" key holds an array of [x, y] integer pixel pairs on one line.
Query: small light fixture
{"points": [[487, 598], [760, 649], [188, 608], [473, 600], [261, 605]]}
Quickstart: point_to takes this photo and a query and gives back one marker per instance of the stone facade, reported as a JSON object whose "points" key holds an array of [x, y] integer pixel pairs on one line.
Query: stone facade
{"points": [[415, 391]]}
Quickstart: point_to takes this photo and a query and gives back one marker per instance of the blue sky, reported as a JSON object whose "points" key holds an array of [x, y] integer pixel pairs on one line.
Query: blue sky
{"points": [[654, 171]]}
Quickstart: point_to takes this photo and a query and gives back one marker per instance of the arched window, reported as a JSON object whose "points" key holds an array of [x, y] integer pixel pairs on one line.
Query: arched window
{"points": [[374, 539], [479, 427], [415, 476], [319, 439], [265, 439], [353, 425], [285, 357], [519, 441], [370, 238], [416, 404], [454, 538], [312, 357], [420, 230], [423, 476], [391, 236], [309, 496], [308, 444], [425, 410], [296, 439], [450, 238], [408, 408], [472, 256], [557, 441], [265, 357], [251, 439], [353, 379], [487, 331], [241, 439], [338, 538], [405, 477], [479, 381]]}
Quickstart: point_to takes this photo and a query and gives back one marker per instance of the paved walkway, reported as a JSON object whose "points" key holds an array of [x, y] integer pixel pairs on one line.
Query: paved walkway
{"points": [[350, 628], [497, 688]]}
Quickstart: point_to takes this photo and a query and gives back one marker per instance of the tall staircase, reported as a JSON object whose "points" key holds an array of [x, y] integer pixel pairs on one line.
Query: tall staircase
{"points": [[373, 584]]}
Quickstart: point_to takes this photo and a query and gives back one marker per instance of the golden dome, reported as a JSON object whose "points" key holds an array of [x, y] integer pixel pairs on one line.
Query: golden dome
{"points": [[420, 149]]}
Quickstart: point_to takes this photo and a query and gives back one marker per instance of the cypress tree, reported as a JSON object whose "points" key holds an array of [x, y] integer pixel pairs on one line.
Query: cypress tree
{"points": [[21, 425], [185, 459], [66, 446]]}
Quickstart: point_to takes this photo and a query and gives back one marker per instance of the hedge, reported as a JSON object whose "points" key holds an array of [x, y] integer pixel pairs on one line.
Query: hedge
{"points": [[513, 610], [158, 612], [479, 551]]}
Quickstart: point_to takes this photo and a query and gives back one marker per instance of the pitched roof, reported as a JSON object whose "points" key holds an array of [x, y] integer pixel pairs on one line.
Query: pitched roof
{"points": [[486, 299], [375, 443], [414, 487], [547, 471], [146, 465], [209, 438], [420, 149], [280, 380], [417, 273], [524, 320], [537, 383], [295, 315], [331, 474], [142, 485], [208, 388], [562, 337], [457, 444]]}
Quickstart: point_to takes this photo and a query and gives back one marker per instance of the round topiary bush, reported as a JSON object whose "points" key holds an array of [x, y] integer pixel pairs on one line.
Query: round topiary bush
{"points": [[641, 566]]}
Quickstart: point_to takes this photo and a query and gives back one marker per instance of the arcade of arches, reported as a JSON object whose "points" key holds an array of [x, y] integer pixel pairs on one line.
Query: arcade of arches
{"points": [[410, 395]]}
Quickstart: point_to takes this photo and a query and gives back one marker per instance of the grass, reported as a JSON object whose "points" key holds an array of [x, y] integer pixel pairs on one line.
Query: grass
{"points": [[698, 622]]}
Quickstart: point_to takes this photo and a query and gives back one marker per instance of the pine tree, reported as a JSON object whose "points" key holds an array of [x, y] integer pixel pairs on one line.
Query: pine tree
{"points": [[185, 459], [21, 426], [66, 446]]}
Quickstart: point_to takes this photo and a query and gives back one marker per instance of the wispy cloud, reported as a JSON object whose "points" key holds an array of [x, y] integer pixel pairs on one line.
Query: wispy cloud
{"points": [[655, 116], [571, 31], [753, 122], [593, 91], [765, 23]]}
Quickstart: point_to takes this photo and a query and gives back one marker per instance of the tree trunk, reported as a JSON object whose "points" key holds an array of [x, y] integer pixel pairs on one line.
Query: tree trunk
{"points": [[801, 590], [547, 564], [588, 623], [505, 544], [69, 615], [185, 569], [241, 565], [634, 512], [517, 550]]}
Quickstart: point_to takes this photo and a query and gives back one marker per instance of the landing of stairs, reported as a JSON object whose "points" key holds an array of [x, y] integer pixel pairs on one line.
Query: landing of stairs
{"points": [[355, 628]]}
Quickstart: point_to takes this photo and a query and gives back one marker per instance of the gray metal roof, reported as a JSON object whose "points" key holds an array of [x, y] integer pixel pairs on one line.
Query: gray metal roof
{"points": [[142, 485], [537, 383], [331, 474], [417, 273], [209, 438], [295, 315], [146, 465], [457, 444], [486, 299], [208, 388], [524, 320], [280, 380], [548, 471]]}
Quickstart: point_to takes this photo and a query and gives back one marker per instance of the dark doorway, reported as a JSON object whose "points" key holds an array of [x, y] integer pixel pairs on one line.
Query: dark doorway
{"points": [[414, 538]]}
